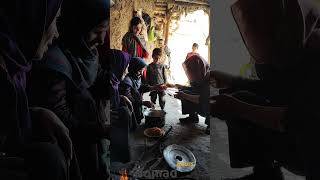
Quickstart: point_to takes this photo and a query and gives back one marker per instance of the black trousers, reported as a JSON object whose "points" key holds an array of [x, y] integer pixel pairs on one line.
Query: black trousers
{"points": [[161, 95], [193, 109]]}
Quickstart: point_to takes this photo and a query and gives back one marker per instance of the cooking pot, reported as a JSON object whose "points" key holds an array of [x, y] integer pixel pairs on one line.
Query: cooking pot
{"points": [[154, 118]]}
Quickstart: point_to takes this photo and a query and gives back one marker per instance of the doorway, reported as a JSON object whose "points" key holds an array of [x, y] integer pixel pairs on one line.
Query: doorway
{"points": [[190, 28]]}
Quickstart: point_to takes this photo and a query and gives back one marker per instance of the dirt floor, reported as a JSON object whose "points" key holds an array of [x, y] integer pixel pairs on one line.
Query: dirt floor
{"points": [[190, 136], [212, 161]]}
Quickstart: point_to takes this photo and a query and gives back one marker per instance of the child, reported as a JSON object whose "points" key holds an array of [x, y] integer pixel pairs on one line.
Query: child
{"points": [[195, 48], [156, 75]]}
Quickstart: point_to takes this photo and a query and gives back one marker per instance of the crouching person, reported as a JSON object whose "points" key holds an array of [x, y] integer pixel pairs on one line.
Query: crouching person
{"points": [[133, 88], [195, 98]]}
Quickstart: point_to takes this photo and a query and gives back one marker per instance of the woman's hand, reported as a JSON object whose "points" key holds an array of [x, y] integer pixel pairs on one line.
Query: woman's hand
{"points": [[148, 104], [159, 87], [180, 95], [49, 122], [221, 79], [222, 105], [188, 97], [170, 85]]}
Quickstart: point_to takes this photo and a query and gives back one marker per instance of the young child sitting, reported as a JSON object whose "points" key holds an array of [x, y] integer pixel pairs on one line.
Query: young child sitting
{"points": [[156, 75]]}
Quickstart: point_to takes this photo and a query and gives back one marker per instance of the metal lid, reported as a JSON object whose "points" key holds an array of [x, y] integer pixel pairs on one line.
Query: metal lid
{"points": [[154, 113], [179, 158]]}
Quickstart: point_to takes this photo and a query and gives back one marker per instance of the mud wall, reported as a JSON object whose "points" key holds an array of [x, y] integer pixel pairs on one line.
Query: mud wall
{"points": [[121, 14]]}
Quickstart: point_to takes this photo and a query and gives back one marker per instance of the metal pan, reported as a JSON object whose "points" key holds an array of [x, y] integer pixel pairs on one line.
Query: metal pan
{"points": [[179, 158]]}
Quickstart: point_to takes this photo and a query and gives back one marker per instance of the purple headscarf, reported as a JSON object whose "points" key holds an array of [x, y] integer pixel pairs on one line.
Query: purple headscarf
{"points": [[22, 25], [119, 62], [26, 21]]}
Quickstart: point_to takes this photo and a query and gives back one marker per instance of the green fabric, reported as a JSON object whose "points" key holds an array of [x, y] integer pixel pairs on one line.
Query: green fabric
{"points": [[244, 69], [151, 34]]}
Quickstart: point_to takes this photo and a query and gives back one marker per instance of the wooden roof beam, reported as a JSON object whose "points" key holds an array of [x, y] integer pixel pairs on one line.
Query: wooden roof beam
{"points": [[194, 2]]}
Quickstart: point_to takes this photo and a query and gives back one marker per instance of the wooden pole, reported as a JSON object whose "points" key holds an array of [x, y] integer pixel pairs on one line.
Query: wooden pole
{"points": [[209, 44], [167, 25]]}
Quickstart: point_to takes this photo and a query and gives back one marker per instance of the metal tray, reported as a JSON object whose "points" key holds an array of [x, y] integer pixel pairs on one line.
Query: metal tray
{"points": [[179, 158]]}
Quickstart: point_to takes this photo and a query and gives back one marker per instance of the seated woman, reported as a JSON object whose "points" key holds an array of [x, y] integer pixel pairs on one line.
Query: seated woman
{"points": [[65, 81], [197, 95], [34, 135], [121, 108], [132, 88]]}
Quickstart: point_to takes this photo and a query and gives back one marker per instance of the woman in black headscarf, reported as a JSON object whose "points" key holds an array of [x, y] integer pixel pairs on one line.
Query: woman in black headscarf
{"points": [[70, 74], [195, 99], [27, 28], [133, 88], [274, 121]]}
